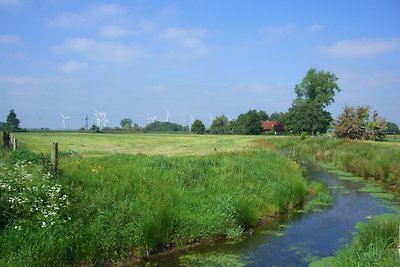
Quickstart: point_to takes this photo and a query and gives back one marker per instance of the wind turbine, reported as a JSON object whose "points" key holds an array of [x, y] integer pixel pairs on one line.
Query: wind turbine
{"points": [[100, 117], [167, 116], [104, 119], [63, 119], [151, 119]]}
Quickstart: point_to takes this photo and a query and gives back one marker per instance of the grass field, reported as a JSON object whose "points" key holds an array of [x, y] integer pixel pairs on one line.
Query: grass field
{"points": [[150, 144], [123, 203]]}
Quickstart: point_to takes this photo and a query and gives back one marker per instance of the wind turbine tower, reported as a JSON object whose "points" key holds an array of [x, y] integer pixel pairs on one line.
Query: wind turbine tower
{"points": [[63, 119]]}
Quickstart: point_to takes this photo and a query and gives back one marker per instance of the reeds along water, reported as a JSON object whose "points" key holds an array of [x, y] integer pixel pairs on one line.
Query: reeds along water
{"points": [[379, 161]]}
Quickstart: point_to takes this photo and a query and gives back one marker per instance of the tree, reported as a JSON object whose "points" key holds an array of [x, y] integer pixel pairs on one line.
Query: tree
{"points": [[307, 116], [220, 125], [318, 87], [126, 123], [198, 127], [376, 128], [164, 126], [392, 127], [355, 123], [12, 122], [315, 92], [351, 123], [249, 123], [95, 128], [278, 116]]}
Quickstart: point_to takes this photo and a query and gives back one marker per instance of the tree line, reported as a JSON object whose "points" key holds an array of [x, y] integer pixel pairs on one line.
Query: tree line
{"points": [[307, 115]]}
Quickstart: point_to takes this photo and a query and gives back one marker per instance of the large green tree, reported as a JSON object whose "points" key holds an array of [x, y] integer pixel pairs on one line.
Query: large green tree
{"points": [[12, 122], [307, 116], [318, 87], [126, 123], [198, 127], [315, 92], [249, 123], [220, 125]]}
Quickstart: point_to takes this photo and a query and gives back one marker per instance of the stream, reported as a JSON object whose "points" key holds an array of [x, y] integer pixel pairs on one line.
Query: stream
{"points": [[299, 238]]}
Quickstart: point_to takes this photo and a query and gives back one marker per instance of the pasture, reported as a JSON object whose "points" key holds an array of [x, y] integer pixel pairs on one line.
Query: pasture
{"points": [[92, 144], [122, 196]]}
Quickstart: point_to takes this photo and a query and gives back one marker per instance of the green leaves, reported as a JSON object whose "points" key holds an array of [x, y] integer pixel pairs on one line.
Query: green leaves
{"points": [[318, 87], [315, 92]]}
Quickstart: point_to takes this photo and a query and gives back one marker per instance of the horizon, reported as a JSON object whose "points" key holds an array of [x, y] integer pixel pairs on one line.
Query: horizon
{"points": [[138, 59]]}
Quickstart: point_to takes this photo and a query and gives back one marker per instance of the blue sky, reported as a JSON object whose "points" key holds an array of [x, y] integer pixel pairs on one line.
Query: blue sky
{"points": [[139, 58]]}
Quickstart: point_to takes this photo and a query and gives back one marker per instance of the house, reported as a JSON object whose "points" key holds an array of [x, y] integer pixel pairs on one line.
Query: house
{"points": [[277, 126]]}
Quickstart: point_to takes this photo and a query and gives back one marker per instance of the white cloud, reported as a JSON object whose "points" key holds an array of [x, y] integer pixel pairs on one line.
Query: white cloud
{"points": [[9, 39], [101, 51], [368, 80], [9, 3], [114, 31], [88, 17], [361, 48], [316, 27], [191, 40], [272, 34], [68, 20], [106, 10], [73, 66]]}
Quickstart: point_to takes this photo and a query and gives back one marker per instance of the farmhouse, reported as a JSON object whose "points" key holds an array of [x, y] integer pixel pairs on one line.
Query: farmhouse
{"points": [[277, 126]]}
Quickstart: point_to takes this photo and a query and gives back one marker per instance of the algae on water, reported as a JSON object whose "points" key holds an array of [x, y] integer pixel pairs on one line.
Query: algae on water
{"points": [[211, 259]]}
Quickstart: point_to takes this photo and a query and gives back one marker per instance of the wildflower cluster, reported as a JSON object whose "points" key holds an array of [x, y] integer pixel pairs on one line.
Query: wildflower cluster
{"points": [[27, 198]]}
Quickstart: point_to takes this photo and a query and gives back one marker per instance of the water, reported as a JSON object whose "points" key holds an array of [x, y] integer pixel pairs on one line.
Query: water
{"points": [[296, 239]]}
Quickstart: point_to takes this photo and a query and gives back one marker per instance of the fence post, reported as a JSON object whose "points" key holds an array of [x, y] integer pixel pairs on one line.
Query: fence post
{"points": [[15, 143], [10, 141], [54, 157], [6, 139]]}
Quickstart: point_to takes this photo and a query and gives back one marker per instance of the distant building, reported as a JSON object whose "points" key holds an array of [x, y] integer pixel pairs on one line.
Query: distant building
{"points": [[277, 126]]}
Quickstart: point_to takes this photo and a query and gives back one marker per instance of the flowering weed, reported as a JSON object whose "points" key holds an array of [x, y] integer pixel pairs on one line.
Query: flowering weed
{"points": [[29, 197]]}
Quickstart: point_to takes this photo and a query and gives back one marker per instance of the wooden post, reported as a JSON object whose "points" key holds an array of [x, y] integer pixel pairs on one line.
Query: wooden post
{"points": [[15, 144], [6, 140], [54, 157], [11, 141]]}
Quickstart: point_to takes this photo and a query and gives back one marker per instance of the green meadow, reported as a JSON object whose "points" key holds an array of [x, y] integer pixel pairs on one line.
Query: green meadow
{"points": [[121, 196], [90, 144]]}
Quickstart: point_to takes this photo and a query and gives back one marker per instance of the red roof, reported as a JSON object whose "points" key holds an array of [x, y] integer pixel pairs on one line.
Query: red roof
{"points": [[269, 125]]}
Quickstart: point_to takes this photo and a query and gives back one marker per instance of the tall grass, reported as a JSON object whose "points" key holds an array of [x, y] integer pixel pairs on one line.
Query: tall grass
{"points": [[374, 245], [124, 205], [365, 159]]}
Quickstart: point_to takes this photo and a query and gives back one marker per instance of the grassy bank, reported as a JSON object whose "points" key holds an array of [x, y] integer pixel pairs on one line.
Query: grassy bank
{"points": [[120, 206], [374, 160], [375, 244]]}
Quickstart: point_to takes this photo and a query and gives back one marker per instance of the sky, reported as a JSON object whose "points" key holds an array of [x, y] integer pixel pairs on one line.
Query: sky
{"points": [[141, 58]]}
